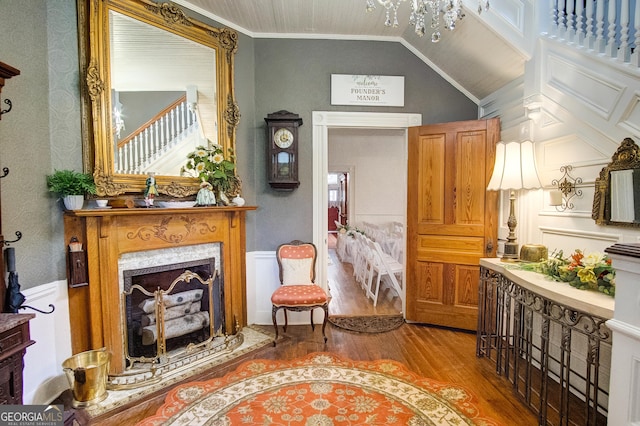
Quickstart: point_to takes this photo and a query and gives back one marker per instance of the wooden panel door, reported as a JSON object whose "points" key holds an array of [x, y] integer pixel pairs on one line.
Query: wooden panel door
{"points": [[451, 219]]}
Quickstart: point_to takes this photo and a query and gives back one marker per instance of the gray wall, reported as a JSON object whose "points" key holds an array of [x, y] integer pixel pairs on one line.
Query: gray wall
{"points": [[296, 75], [140, 107], [43, 133]]}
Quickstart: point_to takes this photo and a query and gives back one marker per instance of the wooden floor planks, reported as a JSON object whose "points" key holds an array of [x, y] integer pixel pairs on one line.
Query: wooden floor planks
{"points": [[432, 352], [436, 353]]}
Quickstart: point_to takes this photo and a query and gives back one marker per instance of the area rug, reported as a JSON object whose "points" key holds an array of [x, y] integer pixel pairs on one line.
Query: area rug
{"points": [[367, 324], [253, 339], [319, 389]]}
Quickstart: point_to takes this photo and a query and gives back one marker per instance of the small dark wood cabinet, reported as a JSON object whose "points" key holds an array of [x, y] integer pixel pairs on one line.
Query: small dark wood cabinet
{"points": [[14, 340]]}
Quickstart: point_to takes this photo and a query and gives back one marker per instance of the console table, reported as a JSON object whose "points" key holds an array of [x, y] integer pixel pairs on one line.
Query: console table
{"points": [[14, 340], [549, 340]]}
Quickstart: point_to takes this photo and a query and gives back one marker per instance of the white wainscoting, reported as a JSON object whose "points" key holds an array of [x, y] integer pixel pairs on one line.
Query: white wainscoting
{"points": [[43, 379], [262, 281]]}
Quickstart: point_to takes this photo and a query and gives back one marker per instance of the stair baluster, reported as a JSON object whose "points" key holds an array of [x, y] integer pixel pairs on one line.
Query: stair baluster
{"points": [[600, 26], [612, 49], [635, 56], [157, 137]]}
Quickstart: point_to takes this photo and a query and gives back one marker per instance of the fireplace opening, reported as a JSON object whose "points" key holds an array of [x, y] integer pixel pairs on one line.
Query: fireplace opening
{"points": [[170, 309]]}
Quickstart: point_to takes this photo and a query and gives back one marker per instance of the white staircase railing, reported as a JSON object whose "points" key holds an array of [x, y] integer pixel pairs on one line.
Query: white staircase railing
{"points": [[607, 27], [155, 138]]}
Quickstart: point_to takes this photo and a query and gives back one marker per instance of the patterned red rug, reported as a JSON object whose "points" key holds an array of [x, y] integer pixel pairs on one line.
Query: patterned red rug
{"points": [[319, 389]]}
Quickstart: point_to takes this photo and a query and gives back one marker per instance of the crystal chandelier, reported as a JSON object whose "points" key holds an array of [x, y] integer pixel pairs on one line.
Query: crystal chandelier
{"points": [[450, 10]]}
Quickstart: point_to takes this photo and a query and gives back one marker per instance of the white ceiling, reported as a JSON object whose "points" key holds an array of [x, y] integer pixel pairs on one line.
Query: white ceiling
{"points": [[473, 57], [146, 58]]}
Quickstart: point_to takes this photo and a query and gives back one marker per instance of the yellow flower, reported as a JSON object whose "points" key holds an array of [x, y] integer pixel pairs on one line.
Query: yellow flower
{"points": [[587, 275], [201, 153], [200, 167]]}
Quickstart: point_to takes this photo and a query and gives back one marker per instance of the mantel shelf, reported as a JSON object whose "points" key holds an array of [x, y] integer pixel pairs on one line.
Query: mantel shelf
{"points": [[141, 211]]}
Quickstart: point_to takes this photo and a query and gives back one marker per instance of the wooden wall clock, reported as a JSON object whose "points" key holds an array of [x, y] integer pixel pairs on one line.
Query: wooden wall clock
{"points": [[282, 134]]}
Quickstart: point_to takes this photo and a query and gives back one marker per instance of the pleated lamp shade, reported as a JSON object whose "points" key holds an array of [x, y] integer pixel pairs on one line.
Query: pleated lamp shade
{"points": [[515, 167]]}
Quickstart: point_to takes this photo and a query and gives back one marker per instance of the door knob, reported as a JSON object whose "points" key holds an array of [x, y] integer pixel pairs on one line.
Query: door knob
{"points": [[489, 247]]}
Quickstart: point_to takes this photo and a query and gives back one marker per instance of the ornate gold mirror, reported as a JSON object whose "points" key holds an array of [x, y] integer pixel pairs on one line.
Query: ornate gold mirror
{"points": [[617, 193], [159, 84]]}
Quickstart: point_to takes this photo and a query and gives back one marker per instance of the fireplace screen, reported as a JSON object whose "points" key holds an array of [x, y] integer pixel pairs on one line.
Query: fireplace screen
{"points": [[171, 310]]}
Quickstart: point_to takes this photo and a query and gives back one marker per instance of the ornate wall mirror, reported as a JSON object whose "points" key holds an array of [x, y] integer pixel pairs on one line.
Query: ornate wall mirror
{"points": [[617, 193], [158, 84]]}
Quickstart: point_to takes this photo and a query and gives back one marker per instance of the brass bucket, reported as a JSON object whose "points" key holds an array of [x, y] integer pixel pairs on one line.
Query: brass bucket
{"points": [[87, 375]]}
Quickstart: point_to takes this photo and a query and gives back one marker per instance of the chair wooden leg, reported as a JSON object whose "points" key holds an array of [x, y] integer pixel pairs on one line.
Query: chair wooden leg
{"points": [[274, 311], [324, 323], [313, 326], [286, 321]]}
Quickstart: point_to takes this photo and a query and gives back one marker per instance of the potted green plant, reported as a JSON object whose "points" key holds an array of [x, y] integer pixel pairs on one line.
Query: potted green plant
{"points": [[71, 186]]}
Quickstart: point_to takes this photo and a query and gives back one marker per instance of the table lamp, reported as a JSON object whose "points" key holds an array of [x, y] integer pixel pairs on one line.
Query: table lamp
{"points": [[514, 169]]}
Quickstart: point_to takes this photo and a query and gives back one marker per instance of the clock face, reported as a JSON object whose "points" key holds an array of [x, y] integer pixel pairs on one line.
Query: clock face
{"points": [[283, 138]]}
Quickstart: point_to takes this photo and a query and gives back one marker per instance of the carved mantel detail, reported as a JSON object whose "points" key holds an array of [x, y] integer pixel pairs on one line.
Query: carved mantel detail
{"points": [[160, 230], [107, 234]]}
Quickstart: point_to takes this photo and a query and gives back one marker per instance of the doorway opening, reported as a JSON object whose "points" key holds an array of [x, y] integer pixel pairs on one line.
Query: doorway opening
{"points": [[325, 124], [338, 188]]}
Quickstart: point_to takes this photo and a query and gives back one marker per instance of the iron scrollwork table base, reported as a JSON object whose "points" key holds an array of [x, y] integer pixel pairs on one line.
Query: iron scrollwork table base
{"points": [[555, 357]]}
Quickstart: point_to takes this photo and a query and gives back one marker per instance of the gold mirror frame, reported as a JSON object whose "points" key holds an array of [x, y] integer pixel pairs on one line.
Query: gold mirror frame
{"points": [[98, 157], [626, 157]]}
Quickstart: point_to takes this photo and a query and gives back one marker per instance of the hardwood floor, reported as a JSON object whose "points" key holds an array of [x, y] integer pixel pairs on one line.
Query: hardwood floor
{"points": [[436, 353], [348, 298]]}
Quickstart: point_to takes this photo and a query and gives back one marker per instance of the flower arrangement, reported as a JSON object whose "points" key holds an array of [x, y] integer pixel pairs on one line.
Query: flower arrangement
{"points": [[348, 229], [210, 164], [592, 272]]}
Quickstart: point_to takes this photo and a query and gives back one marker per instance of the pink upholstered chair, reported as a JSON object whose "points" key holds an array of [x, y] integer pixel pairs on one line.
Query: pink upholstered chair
{"points": [[298, 291]]}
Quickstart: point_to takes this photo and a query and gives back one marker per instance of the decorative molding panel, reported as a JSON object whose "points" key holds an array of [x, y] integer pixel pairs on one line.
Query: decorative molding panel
{"points": [[578, 233], [631, 117], [591, 93], [507, 104], [358, 119], [568, 239], [507, 19], [593, 90], [569, 149]]}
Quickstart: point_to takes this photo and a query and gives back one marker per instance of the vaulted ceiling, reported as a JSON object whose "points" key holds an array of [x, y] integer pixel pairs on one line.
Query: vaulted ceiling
{"points": [[473, 58]]}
